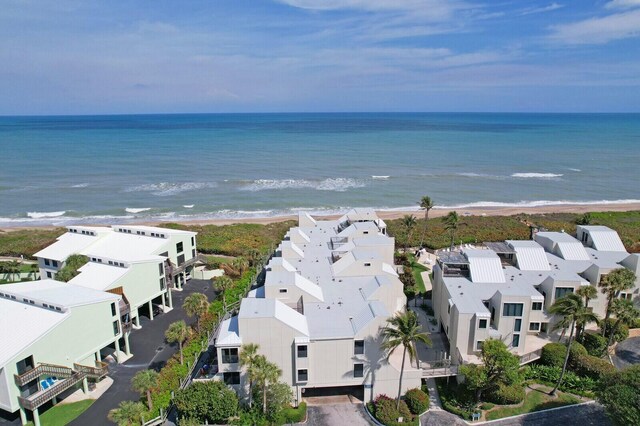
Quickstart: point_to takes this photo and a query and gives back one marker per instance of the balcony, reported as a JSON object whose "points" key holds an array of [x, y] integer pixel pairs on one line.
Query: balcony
{"points": [[70, 377]]}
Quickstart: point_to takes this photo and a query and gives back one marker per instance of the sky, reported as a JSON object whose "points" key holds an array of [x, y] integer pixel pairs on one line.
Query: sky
{"points": [[159, 56]]}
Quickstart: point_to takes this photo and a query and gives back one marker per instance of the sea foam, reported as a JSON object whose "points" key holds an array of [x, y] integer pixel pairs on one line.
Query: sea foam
{"points": [[537, 175], [165, 189], [330, 184], [41, 215], [139, 210]]}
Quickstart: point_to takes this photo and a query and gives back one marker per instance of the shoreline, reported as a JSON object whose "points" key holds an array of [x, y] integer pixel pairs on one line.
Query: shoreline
{"points": [[384, 214]]}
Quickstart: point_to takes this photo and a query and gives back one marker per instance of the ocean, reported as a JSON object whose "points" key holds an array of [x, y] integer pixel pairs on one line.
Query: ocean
{"points": [[112, 169]]}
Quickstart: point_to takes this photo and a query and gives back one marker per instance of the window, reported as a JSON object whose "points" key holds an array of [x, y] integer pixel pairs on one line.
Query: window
{"points": [[358, 347], [116, 328], [563, 291], [303, 375], [193, 253], [25, 365], [283, 290], [518, 325], [113, 309], [231, 378], [482, 323], [479, 345], [516, 341], [367, 264], [493, 313], [193, 241], [180, 260], [46, 262], [48, 274], [512, 310], [627, 296], [179, 247], [536, 306], [449, 309], [358, 370], [161, 283], [230, 356], [54, 263], [302, 351], [161, 268], [534, 326]]}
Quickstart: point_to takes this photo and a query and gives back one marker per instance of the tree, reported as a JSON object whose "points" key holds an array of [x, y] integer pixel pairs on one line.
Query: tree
{"points": [[222, 284], [625, 312], [254, 256], [240, 265], [248, 355], [71, 266], [196, 304], [211, 401], [279, 396], [409, 223], [585, 219], [571, 309], [426, 204], [404, 330], [451, 224], [588, 292], [266, 373], [619, 392], [177, 333], [12, 268], [612, 284], [128, 413], [143, 382], [499, 367]]}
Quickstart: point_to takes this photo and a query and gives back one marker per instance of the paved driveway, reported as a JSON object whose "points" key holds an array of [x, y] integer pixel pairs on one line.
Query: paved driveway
{"points": [[627, 353], [150, 352], [583, 415], [338, 414]]}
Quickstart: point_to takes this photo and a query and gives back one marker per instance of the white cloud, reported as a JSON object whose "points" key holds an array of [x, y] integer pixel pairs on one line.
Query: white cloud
{"points": [[622, 4], [598, 30], [549, 8]]}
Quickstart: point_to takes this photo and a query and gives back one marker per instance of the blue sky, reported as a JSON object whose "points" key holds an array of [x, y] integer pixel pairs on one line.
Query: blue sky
{"points": [[150, 56]]}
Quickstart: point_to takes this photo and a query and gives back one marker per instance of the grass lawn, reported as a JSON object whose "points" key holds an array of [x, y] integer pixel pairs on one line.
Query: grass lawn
{"points": [[535, 400], [417, 270], [62, 414]]}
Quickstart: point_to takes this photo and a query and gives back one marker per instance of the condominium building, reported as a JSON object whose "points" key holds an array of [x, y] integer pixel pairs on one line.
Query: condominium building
{"points": [[328, 292], [504, 290], [138, 262], [51, 341]]}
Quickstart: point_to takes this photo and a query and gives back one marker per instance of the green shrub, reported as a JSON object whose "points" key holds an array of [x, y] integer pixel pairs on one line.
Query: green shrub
{"points": [[424, 388], [634, 323], [506, 394], [619, 392], [209, 401], [417, 401], [295, 415], [487, 406], [622, 333], [595, 344], [385, 411], [590, 366], [549, 375], [456, 399], [577, 349], [553, 354]]}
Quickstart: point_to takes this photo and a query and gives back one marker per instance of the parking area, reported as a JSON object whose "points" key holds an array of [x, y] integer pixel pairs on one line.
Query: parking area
{"points": [[338, 414], [627, 353]]}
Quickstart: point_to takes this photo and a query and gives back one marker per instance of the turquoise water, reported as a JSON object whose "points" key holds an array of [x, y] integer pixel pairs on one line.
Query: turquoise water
{"points": [[63, 170]]}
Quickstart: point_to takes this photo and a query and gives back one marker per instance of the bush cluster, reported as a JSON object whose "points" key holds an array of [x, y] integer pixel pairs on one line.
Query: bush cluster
{"points": [[456, 399], [294, 415], [590, 366], [506, 394], [553, 354], [595, 344], [622, 333], [549, 375], [384, 409], [417, 401]]}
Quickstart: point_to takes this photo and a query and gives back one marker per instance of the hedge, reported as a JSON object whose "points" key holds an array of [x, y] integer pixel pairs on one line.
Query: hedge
{"points": [[590, 366], [506, 394], [595, 344], [295, 415], [417, 401], [385, 411]]}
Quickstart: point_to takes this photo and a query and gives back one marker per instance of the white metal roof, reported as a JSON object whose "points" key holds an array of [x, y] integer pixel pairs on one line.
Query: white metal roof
{"points": [[229, 334], [98, 276], [272, 308], [572, 251], [485, 266], [22, 325], [530, 255], [604, 238], [66, 245], [127, 247], [59, 293], [286, 278], [155, 229]]}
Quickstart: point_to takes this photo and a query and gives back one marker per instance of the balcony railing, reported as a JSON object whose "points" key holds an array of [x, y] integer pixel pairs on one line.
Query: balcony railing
{"points": [[99, 371], [39, 398], [41, 370], [531, 356]]}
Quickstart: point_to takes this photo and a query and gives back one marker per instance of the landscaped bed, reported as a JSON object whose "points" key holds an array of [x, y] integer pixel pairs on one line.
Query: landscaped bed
{"points": [[536, 399], [62, 414]]}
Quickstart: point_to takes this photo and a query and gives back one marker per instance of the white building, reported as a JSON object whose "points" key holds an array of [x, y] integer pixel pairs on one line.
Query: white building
{"points": [[504, 290], [52, 337], [328, 292]]}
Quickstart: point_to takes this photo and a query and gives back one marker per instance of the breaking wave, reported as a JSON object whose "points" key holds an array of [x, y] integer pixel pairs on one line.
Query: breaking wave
{"points": [[42, 215], [134, 210], [165, 189], [330, 184], [537, 175]]}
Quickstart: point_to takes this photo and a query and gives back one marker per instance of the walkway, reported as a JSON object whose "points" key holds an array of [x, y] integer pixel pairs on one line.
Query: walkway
{"points": [[150, 351]]}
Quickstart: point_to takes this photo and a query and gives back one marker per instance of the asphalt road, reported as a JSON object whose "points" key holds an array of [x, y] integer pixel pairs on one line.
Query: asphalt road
{"points": [[627, 353], [150, 351], [337, 414]]}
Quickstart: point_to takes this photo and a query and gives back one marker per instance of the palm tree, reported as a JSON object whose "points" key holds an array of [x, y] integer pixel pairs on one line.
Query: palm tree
{"points": [[196, 304], [240, 264], [143, 382], [409, 223], [265, 373], [588, 292], [426, 204], [451, 224], [222, 284], [128, 413], [404, 330], [571, 309], [248, 356], [177, 332], [254, 256], [12, 268], [612, 284], [625, 311]]}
